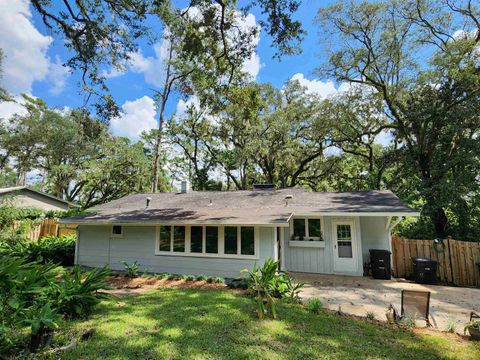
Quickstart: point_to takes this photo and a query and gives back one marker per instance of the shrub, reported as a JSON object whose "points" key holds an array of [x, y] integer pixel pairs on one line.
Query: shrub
{"points": [[201, 278], [77, 293], [370, 315], [60, 250], [188, 277], [210, 280], [162, 276], [219, 280], [314, 305], [131, 270], [173, 277], [268, 283]]}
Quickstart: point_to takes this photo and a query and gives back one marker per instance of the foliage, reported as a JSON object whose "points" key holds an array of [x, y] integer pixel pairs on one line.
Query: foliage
{"points": [[267, 283], [188, 277], [131, 270], [201, 278], [429, 104], [217, 324], [59, 250], [76, 294], [35, 293], [314, 305], [370, 315]]}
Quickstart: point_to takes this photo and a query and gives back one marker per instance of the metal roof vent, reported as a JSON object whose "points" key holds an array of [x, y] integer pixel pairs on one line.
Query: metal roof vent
{"points": [[263, 187], [148, 199], [288, 197]]}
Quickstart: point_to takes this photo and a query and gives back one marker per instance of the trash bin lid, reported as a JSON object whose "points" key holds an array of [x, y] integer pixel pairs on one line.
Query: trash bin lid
{"points": [[420, 259], [379, 251]]}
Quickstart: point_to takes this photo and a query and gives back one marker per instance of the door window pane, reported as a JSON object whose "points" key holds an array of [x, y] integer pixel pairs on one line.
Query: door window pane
{"points": [[247, 234], [196, 239], [299, 228], [165, 232], [179, 238], [211, 240], [344, 241], [314, 229], [230, 240]]}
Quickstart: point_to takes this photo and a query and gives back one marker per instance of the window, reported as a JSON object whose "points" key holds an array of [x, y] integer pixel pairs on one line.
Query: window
{"points": [[196, 239], [208, 241], [307, 229], [344, 241], [248, 240], [314, 228], [299, 228], [117, 231], [211, 240], [231, 243], [165, 238], [179, 238]]}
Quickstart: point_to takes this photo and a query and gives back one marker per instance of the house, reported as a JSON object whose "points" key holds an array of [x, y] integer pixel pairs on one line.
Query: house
{"points": [[25, 197], [219, 233]]}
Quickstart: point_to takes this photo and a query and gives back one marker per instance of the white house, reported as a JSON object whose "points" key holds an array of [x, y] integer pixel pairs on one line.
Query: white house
{"points": [[219, 233]]}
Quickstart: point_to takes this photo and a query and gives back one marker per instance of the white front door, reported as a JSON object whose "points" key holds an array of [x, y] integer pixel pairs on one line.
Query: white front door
{"points": [[344, 247]]}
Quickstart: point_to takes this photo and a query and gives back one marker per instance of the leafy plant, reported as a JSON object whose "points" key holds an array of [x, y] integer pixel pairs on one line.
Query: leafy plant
{"points": [[210, 280], [201, 278], [267, 283], [472, 324], [188, 277], [451, 324], [314, 305], [219, 280], [77, 293], [42, 323], [370, 315], [131, 270]]}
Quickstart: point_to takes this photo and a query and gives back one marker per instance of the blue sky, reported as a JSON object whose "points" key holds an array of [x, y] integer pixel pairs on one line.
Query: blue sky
{"points": [[33, 59]]}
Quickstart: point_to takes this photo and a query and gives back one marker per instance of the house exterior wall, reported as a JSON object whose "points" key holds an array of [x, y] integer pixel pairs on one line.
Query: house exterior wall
{"points": [[96, 248], [28, 199], [370, 233]]}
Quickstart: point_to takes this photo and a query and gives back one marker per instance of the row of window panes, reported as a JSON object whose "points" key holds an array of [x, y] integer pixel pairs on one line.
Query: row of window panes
{"points": [[307, 229], [237, 240]]}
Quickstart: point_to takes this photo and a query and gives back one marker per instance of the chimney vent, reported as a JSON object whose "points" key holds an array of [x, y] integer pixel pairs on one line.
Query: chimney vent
{"points": [[148, 199], [185, 187]]}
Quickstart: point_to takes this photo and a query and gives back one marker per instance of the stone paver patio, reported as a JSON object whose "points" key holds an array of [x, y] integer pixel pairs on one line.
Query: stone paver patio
{"points": [[359, 295]]}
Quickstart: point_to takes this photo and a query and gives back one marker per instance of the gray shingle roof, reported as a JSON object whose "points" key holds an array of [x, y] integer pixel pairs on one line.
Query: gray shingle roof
{"points": [[242, 207]]}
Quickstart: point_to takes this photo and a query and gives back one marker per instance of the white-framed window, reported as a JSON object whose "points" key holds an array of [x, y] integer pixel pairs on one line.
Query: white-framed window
{"points": [[208, 241], [117, 231], [171, 238], [306, 229]]}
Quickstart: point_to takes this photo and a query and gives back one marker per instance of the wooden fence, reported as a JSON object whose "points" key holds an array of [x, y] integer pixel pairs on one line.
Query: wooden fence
{"points": [[457, 265], [48, 227]]}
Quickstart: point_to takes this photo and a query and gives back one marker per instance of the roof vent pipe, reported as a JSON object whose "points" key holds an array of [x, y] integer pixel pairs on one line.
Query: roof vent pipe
{"points": [[185, 187], [148, 199]]}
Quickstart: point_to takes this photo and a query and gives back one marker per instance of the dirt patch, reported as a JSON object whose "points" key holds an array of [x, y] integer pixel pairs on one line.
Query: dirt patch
{"points": [[125, 286]]}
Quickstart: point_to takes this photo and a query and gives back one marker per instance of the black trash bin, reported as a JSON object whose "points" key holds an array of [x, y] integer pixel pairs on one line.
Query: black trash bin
{"points": [[424, 270], [380, 263]]}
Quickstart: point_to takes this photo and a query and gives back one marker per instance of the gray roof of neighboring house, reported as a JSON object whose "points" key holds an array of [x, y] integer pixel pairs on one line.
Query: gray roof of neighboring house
{"points": [[242, 207], [15, 189]]}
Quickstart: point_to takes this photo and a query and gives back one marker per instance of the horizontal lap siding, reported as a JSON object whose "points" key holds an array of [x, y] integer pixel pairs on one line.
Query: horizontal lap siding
{"points": [[374, 234], [138, 244]]}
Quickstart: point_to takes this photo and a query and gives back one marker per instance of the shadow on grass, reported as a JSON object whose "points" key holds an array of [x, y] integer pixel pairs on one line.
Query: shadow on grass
{"points": [[192, 323]]}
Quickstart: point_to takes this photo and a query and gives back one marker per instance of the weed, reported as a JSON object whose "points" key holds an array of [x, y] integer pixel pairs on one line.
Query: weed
{"points": [[314, 305]]}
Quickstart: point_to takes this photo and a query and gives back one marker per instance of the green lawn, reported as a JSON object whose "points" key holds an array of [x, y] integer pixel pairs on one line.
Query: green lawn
{"points": [[216, 324]]}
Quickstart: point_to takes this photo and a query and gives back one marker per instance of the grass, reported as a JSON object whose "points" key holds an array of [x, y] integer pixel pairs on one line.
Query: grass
{"points": [[217, 324]]}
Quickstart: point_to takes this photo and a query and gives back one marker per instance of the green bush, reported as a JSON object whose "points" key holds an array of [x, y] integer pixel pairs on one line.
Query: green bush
{"points": [[219, 280], [188, 277], [314, 305], [268, 283], [201, 278], [60, 250], [77, 293], [131, 270]]}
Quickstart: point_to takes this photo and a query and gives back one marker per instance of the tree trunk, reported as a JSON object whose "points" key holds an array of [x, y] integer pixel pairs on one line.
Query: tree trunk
{"points": [[440, 220], [158, 148]]}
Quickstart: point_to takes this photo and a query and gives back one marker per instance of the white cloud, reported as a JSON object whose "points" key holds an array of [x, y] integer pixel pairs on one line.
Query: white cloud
{"points": [[137, 116], [25, 59], [58, 75], [152, 67], [323, 89], [10, 108]]}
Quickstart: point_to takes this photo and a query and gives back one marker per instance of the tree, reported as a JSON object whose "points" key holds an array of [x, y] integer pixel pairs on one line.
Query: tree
{"points": [[431, 105], [102, 34]]}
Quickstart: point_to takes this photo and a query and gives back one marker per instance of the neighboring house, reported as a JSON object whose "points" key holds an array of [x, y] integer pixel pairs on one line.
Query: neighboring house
{"points": [[25, 197], [219, 233]]}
